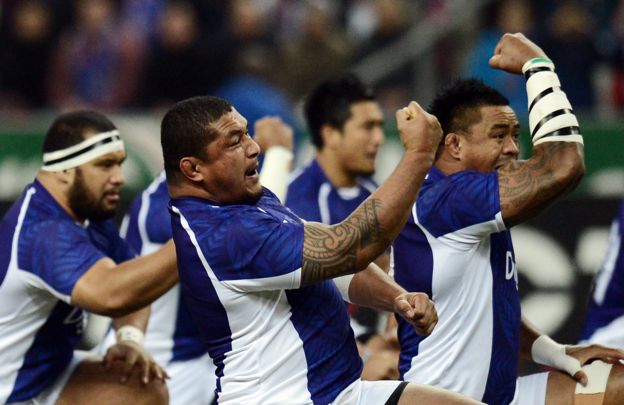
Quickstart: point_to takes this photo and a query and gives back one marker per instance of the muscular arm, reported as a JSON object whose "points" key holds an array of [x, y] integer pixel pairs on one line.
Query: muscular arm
{"points": [[556, 167], [528, 334], [349, 246], [138, 319], [117, 290], [527, 187], [373, 288]]}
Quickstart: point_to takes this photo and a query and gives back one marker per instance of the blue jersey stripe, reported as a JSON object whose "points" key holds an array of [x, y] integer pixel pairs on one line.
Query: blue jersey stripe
{"points": [[327, 336], [416, 273], [200, 295]]}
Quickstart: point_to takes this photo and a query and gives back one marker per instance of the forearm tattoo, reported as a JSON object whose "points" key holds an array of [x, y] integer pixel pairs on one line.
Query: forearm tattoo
{"points": [[331, 251]]}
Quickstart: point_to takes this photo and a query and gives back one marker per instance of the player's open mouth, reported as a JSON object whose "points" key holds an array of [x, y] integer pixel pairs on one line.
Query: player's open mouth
{"points": [[252, 172]]}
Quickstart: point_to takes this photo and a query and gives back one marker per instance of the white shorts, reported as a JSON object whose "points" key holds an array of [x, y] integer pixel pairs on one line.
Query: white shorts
{"points": [[51, 394], [366, 393], [531, 389], [192, 381]]}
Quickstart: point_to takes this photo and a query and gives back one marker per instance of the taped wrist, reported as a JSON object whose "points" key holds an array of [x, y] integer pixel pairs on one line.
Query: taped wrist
{"points": [[549, 353], [276, 169], [130, 333], [551, 118]]}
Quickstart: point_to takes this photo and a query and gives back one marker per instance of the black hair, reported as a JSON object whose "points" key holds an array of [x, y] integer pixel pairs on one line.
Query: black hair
{"points": [[70, 129], [457, 106], [186, 129], [330, 104]]}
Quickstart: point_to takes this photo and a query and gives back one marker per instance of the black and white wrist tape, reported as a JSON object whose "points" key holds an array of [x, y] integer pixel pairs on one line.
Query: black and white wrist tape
{"points": [[551, 118]]}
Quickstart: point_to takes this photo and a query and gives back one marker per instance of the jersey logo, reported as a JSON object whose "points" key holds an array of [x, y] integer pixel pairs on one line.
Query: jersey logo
{"points": [[510, 268], [76, 317]]}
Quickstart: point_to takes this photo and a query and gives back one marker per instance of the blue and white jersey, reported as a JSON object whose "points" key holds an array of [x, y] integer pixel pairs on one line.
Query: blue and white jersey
{"points": [[272, 340], [456, 248], [43, 253], [605, 315], [312, 196], [171, 333]]}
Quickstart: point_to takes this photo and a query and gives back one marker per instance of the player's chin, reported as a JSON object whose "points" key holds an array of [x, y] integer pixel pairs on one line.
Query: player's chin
{"points": [[367, 171], [254, 193]]}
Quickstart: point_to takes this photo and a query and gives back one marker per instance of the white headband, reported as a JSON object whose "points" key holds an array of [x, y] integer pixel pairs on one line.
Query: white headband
{"points": [[87, 150]]}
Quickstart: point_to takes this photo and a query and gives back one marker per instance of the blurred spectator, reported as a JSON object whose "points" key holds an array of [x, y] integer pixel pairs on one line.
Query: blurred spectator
{"points": [[255, 65], [140, 18], [393, 21], [252, 90], [616, 54], [183, 62], [360, 20], [569, 42], [95, 65], [320, 50], [505, 16], [24, 55]]}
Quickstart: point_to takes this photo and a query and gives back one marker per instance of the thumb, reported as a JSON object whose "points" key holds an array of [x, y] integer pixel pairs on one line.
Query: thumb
{"points": [[405, 308], [495, 61], [581, 377]]}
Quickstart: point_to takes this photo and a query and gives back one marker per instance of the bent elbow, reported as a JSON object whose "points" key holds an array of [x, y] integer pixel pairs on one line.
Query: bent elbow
{"points": [[571, 170], [117, 305]]}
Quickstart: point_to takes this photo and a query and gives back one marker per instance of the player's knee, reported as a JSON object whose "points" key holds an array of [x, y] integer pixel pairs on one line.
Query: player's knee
{"points": [[604, 387], [156, 393], [615, 386]]}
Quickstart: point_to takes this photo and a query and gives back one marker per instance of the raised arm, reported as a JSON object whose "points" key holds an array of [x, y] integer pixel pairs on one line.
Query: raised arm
{"points": [[556, 167], [275, 139], [349, 246]]}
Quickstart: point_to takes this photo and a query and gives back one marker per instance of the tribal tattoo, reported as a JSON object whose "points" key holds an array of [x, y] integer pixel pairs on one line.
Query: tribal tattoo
{"points": [[331, 251], [525, 187]]}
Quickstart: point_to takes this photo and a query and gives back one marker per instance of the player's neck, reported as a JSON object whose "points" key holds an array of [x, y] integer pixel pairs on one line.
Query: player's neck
{"points": [[59, 192], [335, 172], [447, 164], [184, 189]]}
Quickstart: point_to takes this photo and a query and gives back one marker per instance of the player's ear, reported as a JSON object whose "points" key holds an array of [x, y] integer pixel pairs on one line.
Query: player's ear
{"points": [[65, 177], [192, 168], [453, 144], [331, 136]]}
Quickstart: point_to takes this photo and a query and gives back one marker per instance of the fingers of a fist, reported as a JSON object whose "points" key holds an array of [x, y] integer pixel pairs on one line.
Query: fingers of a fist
{"points": [[409, 112], [418, 310], [272, 131]]}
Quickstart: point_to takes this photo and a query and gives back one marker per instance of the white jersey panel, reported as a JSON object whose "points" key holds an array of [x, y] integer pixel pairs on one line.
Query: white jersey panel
{"points": [[463, 337]]}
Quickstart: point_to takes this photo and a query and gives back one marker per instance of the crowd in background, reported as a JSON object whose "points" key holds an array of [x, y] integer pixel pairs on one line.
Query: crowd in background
{"points": [[117, 55]]}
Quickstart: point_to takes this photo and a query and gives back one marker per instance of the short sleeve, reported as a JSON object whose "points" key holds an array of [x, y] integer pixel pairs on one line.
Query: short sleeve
{"points": [[61, 254], [255, 250], [465, 203]]}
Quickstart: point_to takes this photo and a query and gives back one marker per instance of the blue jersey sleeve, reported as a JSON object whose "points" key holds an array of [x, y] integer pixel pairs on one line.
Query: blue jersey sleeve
{"points": [[255, 250], [466, 203], [105, 236], [61, 254]]}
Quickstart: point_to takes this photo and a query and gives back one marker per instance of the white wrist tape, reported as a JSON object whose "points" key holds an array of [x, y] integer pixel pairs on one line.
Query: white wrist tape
{"points": [[275, 170], [552, 354], [343, 283], [551, 118], [130, 333]]}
